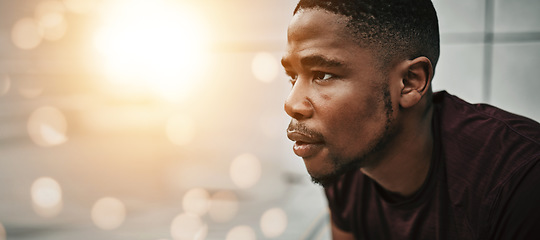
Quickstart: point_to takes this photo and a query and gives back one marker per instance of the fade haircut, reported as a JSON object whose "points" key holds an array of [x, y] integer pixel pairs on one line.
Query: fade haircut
{"points": [[391, 28]]}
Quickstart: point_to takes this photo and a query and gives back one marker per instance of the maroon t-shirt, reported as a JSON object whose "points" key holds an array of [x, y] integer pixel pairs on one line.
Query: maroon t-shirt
{"points": [[483, 183]]}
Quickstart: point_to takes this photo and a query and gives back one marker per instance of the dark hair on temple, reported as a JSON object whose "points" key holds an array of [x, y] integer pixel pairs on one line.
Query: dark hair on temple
{"points": [[393, 28]]}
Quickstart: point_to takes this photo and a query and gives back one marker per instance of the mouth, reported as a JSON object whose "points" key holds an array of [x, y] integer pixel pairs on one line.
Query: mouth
{"points": [[306, 145]]}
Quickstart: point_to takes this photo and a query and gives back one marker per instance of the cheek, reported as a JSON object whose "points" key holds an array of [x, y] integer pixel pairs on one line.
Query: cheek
{"points": [[356, 120]]}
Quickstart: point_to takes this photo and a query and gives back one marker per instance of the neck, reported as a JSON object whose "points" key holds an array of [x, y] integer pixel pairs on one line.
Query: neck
{"points": [[405, 166]]}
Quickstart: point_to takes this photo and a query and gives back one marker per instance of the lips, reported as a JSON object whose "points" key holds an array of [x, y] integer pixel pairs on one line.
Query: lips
{"points": [[306, 145]]}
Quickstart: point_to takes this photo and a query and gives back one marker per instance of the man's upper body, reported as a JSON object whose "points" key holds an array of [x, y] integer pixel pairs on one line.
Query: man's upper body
{"points": [[366, 123], [482, 183]]}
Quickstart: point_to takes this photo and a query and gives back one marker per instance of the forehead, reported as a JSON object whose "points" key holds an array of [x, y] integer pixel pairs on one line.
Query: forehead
{"points": [[319, 32], [317, 23]]}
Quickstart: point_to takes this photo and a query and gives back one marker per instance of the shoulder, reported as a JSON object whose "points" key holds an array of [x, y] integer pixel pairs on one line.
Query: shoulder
{"points": [[485, 139], [471, 119], [489, 155]]}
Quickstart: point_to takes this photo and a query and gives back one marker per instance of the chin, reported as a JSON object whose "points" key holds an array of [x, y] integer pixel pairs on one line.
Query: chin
{"points": [[324, 179]]}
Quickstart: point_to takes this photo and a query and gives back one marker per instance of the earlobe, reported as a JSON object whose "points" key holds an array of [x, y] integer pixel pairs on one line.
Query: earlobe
{"points": [[416, 81]]}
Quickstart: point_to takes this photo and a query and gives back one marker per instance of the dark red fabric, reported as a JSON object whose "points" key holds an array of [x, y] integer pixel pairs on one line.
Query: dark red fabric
{"points": [[483, 183]]}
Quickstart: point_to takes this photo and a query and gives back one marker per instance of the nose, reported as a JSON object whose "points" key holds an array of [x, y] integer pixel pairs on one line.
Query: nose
{"points": [[298, 105]]}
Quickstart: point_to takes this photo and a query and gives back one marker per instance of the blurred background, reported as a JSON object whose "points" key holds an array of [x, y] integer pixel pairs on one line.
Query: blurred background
{"points": [[163, 119]]}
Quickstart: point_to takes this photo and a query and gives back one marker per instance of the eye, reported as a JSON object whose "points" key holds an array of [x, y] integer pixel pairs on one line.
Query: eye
{"points": [[322, 76]]}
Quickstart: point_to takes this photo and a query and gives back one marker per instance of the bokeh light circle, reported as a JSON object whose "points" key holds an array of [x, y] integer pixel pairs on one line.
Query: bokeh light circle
{"points": [[80, 6], [273, 222], [47, 126], [26, 34], [108, 213], [224, 206], [245, 170], [180, 129], [5, 84], [49, 13], [265, 67], [56, 32], [46, 197], [241, 232], [188, 226], [196, 201]]}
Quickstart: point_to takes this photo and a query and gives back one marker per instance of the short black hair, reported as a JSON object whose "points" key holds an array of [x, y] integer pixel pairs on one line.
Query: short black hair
{"points": [[393, 28]]}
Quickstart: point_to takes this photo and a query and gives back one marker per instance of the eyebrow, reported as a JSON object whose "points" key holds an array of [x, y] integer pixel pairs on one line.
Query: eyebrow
{"points": [[320, 61], [315, 61]]}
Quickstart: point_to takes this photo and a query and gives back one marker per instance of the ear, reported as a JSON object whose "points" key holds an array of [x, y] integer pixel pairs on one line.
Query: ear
{"points": [[416, 81]]}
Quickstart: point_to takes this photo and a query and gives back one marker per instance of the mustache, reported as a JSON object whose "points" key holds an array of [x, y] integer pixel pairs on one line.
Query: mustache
{"points": [[304, 130]]}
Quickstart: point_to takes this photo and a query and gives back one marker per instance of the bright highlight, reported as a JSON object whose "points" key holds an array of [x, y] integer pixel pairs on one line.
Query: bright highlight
{"points": [[46, 197], [273, 222], [265, 67], [152, 45], [47, 126], [245, 170]]}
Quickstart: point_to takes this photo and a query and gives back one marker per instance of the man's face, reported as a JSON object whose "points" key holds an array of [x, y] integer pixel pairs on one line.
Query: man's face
{"points": [[340, 103]]}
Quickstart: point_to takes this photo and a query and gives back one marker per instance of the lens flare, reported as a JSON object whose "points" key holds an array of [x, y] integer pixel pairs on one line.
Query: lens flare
{"points": [[245, 171], [108, 213], [46, 197]]}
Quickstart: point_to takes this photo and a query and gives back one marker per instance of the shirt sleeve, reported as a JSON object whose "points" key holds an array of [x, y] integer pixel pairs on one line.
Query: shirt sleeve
{"points": [[520, 215]]}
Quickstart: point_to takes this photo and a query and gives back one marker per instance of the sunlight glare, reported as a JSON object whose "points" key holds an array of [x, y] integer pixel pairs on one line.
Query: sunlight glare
{"points": [[187, 226], [108, 213], [158, 45], [241, 232], [245, 171], [26, 34], [224, 206], [273, 222], [46, 197], [196, 201]]}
